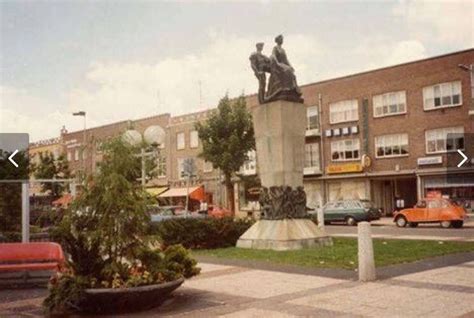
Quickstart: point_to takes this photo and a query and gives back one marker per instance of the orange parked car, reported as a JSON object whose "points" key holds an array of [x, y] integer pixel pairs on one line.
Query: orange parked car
{"points": [[436, 210]]}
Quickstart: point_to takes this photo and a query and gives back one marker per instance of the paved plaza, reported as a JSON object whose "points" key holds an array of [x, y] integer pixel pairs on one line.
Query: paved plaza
{"points": [[232, 291]]}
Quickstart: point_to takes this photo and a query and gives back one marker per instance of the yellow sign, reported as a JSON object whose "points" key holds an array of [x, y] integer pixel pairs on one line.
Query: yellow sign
{"points": [[343, 168]]}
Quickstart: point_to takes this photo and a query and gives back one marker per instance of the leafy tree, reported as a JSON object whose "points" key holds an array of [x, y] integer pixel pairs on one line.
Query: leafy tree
{"points": [[51, 168], [105, 235], [227, 136]]}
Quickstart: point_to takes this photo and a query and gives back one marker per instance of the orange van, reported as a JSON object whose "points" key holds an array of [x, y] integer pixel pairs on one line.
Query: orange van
{"points": [[436, 210]]}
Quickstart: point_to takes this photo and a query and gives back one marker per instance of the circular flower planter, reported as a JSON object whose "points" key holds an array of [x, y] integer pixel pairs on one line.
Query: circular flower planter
{"points": [[114, 300]]}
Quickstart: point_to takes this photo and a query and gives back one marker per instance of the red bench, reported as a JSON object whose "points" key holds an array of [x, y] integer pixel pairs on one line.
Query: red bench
{"points": [[38, 256]]}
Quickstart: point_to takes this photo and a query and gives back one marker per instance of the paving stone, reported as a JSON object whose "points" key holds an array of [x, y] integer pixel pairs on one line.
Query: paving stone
{"points": [[257, 313], [260, 284]]}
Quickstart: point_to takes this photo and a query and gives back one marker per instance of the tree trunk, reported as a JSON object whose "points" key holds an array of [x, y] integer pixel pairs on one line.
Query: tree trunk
{"points": [[230, 194]]}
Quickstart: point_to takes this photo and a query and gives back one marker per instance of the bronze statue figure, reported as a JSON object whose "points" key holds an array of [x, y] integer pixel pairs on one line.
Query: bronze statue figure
{"points": [[282, 83], [260, 64]]}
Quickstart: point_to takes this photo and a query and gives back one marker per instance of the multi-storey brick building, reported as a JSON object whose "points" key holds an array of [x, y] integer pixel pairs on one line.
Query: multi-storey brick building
{"points": [[375, 135], [382, 134]]}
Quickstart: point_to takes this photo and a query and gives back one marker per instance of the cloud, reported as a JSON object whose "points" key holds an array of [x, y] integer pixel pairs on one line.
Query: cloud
{"points": [[113, 91], [442, 22]]}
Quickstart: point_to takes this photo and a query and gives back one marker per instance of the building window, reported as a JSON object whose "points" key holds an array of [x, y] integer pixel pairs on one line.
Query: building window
{"points": [[84, 154], [442, 95], [194, 142], [391, 146], [312, 155], [181, 168], [207, 166], [69, 156], [343, 111], [345, 150], [180, 143], [312, 118], [392, 103], [161, 167], [444, 140], [250, 166], [76, 154]]}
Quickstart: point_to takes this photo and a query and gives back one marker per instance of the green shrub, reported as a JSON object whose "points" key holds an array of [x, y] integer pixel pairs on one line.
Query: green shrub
{"points": [[201, 233]]}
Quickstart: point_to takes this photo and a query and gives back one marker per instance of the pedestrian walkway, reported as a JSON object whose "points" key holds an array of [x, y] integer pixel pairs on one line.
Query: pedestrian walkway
{"points": [[231, 291]]}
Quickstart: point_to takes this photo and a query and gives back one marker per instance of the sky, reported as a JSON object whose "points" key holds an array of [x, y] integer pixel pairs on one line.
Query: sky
{"points": [[120, 60]]}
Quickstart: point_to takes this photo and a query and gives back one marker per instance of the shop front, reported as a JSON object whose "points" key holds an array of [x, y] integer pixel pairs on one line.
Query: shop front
{"points": [[386, 191], [458, 187], [177, 197]]}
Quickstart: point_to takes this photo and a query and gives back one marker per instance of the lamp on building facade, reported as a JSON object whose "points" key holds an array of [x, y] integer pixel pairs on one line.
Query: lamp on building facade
{"points": [[154, 136]]}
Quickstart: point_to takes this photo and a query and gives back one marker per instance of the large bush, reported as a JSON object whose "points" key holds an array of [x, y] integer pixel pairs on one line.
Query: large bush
{"points": [[201, 233], [105, 235]]}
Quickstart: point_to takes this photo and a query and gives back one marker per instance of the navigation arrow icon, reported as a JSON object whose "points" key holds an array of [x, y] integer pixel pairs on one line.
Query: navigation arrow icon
{"points": [[11, 158], [463, 160]]}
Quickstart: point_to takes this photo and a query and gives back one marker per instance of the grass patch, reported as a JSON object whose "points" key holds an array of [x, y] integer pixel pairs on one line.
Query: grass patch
{"points": [[343, 254]]}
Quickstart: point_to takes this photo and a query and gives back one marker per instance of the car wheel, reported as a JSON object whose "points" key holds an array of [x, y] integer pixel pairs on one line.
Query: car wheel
{"points": [[458, 224], [445, 224], [401, 221], [351, 221], [413, 224]]}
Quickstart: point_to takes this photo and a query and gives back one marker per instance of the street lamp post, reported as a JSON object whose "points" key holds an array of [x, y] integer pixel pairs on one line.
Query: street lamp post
{"points": [[154, 136]]}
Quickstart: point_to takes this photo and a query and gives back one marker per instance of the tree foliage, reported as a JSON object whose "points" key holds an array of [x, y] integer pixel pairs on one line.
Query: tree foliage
{"points": [[52, 168], [105, 234], [227, 136]]}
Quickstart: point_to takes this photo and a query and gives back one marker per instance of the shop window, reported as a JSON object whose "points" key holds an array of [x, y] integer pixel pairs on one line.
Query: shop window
{"points": [[312, 118], [345, 150], [442, 95], [391, 145], [343, 111], [194, 139], [180, 143], [393, 103], [444, 140]]}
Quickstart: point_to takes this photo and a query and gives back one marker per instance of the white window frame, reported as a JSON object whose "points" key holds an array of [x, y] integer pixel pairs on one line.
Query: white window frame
{"points": [[392, 141], [312, 149], [250, 166], [387, 101], [180, 162], [193, 139], [180, 141], [69, 156], [312, 111], [207, 166], [161, 166], [441, 91], [76, 154], [348, 108], [341, 145], [439, 132]]}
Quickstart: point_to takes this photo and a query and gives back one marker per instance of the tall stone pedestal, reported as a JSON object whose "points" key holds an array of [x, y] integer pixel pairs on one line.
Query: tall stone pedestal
{"points": [[280, 128]]}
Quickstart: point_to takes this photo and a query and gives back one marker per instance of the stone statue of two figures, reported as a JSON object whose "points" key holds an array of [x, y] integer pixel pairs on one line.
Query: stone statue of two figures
{"points": [[282, 83]]}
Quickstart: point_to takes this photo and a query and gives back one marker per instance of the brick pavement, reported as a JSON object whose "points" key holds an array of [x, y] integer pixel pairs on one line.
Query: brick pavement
{"points": [[232, 291]]}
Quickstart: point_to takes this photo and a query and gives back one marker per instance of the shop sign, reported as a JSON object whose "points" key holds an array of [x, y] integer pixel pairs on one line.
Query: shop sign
{"points": [[344, 168], [429, 160]]}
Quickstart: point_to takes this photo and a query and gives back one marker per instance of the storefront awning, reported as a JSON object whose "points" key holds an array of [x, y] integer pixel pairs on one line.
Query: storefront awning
{"points": [[156, 190], [196, 193]]}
